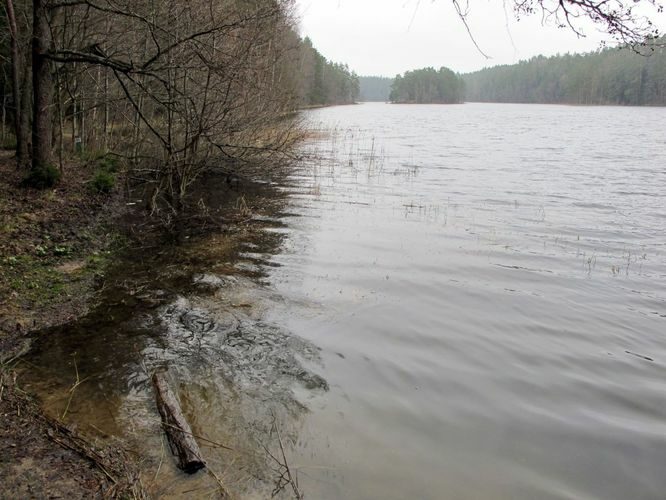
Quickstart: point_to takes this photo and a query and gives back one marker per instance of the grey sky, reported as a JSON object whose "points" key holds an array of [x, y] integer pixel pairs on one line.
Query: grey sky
{"points": [[387, 37]]}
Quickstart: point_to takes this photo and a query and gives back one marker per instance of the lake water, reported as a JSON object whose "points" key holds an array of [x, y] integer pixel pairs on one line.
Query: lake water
{"points": [[439, 302], [489, 282]]}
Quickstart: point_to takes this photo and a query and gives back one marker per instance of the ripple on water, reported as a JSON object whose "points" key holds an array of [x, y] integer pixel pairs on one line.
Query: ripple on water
{"points": [[497, 310]]}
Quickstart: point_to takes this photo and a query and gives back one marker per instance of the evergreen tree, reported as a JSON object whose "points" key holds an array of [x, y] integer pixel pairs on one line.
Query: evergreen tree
{"points": [[427, 86], [610, 76]]}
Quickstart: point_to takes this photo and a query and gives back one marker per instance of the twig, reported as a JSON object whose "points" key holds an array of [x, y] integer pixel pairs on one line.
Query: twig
{"points": [[89, 456], [161, 459], [463, 17], [223, 489], [290, 479], [198, 437], [293, 481], [73, 388]]}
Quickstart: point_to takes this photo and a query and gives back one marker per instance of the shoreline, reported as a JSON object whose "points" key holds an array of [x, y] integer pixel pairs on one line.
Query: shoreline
{"points": [[53, 262], [111, 273]]}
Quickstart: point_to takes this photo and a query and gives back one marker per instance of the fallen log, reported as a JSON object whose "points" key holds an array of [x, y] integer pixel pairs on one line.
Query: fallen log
{"points": [[178, 431]]}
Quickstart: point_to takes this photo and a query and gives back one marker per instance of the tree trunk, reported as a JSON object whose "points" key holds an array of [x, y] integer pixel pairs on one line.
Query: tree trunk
{"points": [[82, 132], [61, 122], [105, 142], [22, 141], [181, 440], [75, 117], [41, 83], [26, 105], [3, 134], [105, 146]]}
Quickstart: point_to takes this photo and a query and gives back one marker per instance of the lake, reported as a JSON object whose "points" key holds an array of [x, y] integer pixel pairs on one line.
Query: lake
{"points": [[437, 302], [489, 283]]}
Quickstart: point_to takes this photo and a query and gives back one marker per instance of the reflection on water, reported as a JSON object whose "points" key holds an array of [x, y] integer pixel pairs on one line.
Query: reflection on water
{"points": [[445, 302]]}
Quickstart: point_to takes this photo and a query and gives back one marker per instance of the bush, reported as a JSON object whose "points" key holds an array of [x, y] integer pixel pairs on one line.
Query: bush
{"points": [[42, 177], [109, 163], [103, 181]]}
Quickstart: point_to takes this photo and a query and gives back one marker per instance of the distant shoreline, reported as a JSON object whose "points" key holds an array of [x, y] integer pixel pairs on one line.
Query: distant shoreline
{"points": [[609, 105]]}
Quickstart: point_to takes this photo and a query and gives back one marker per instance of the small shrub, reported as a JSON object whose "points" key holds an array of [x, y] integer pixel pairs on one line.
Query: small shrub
{"points": [[43, 177], [109, 163], [103, 181]]}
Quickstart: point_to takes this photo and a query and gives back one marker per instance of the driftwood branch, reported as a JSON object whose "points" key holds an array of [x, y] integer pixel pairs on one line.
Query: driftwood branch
{"points": [[178, 431]]}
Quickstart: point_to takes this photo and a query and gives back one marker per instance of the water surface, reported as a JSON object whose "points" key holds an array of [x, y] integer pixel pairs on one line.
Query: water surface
{"points": [[440, 302], [489, 291]]}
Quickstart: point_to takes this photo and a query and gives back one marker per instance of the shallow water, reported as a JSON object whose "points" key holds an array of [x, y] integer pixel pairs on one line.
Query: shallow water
{"points": [[442, 302], [198, 311]]}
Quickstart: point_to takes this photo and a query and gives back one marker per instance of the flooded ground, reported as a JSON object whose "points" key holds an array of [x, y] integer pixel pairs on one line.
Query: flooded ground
{"points": [[197, 310], [448, 302]]}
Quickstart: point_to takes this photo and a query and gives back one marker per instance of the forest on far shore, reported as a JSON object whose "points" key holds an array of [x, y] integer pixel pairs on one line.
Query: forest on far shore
{"points": [[610, 76]]}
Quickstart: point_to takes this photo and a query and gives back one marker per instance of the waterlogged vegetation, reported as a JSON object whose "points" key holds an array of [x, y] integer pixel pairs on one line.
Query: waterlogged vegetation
{"points": [[197, 311]]}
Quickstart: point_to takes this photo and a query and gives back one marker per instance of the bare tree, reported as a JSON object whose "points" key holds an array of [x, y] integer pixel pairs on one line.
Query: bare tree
{"points": [[42, 91], [21, 125], [205, 80], [617, 18]]}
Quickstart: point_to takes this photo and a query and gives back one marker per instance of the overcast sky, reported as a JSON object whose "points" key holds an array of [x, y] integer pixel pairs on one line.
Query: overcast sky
{"points": [[387, 37]]}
